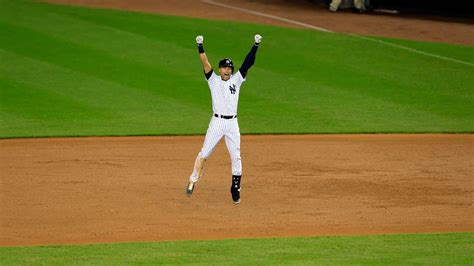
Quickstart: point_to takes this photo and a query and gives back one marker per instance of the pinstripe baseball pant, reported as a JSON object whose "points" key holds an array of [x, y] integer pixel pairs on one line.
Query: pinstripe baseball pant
{"points": [[218, 128]]}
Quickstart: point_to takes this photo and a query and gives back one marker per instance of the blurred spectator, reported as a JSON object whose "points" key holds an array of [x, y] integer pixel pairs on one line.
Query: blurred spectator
{"points": [[358, 4]]}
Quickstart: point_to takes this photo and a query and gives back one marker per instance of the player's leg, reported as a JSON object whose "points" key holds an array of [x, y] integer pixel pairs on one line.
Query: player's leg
{"points": [[232, 141], [198, 168], [334, 5], [214, 133], [360, 5]]}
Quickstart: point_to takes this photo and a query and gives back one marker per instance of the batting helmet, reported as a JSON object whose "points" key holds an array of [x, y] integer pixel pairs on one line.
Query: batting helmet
{"points": [[226, 62]]}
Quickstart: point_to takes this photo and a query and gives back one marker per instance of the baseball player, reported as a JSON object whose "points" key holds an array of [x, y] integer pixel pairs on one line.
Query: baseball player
{"points": [[225, 90], [358, 4]]}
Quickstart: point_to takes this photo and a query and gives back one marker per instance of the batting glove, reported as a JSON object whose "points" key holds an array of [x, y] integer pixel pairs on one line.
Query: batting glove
{"points": [[258, 38], [199, 39]]}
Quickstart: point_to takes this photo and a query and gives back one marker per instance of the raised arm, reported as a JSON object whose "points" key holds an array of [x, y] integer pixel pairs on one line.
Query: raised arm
{"points": [[250, 58], [202, 55]]}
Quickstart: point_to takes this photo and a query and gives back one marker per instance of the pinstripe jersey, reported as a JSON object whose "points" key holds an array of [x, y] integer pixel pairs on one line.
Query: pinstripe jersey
{"points": [[225, 94]]}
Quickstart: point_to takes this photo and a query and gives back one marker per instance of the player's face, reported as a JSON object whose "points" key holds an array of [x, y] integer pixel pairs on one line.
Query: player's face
{"points": [[225, 72]]}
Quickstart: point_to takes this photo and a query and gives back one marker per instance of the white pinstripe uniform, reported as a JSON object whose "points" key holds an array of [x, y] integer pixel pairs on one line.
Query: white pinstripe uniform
{"points": [[225, 91], [225, 99]]}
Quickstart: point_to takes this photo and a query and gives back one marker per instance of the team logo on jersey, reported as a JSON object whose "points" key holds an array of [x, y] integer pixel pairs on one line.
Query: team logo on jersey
{"points": [[232, 89]]}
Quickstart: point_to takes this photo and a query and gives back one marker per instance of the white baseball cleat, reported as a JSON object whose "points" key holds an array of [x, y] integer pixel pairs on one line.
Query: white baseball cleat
{"points": [[190, 189]]}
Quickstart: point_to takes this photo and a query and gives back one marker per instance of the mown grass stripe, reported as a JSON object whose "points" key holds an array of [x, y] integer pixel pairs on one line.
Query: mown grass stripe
{"points": [[410, 249]]}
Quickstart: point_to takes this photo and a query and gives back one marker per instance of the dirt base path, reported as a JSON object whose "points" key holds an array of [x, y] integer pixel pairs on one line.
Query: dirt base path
{"points": [[457, 31], [92, 190]]}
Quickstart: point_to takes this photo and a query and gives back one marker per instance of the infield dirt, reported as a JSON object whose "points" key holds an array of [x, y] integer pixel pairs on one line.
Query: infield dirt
{"points": [[93, 190]]}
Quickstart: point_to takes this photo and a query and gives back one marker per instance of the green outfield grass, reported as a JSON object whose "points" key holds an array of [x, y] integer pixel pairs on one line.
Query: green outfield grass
{"points": [[68, 71], [417, 249]]}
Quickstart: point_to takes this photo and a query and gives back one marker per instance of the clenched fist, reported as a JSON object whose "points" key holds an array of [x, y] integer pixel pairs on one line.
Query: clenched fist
{"points": [[258, 38], [199, 39]]}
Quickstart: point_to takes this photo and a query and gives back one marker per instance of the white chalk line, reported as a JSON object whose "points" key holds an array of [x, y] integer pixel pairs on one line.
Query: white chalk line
{"points": [[329, 31], [412, 50], [267, 16]]}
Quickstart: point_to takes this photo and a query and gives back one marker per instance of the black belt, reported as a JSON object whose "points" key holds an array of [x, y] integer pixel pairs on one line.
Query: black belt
{"points": [[225, 116]]}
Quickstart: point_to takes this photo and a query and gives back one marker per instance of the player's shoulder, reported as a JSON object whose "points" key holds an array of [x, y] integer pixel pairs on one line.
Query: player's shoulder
{"points": [[211, 75], [238, 76]]}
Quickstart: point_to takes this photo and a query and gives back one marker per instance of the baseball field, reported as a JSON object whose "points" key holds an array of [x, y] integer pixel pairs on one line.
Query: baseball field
{"points": [[356, 149]]}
